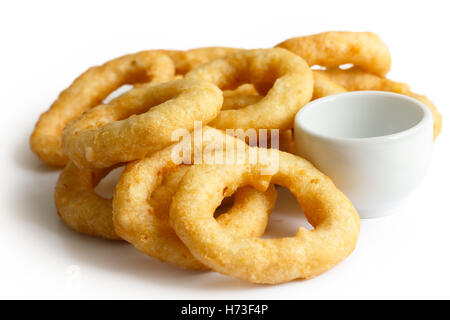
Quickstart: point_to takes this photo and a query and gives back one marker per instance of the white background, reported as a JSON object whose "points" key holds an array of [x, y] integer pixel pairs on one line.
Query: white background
{"points": [[45, 45]]}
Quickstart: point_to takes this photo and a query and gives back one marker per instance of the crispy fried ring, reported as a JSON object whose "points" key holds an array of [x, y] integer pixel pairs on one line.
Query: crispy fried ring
{"points": [[239, 101], [137, 222], [87, 91], [139, 122], [244, 89], [162, 196], [287, 142], [285, 138], [290, 76], [324, 86], [332, 49], [308, 253], [79, 206], [83, 210], [355, 79], [187, 60], [241, 97], [246, 95]]}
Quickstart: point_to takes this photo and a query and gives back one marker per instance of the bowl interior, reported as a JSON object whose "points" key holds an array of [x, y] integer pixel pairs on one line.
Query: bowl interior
{"points": [[363, 114]]}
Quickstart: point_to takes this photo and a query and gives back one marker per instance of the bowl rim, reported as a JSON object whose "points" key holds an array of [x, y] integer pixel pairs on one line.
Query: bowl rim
{"points": [[427, 117]]}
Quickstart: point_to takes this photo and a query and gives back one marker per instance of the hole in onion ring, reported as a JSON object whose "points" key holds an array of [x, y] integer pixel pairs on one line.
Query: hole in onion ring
{"points": [[224, 207], [119, 91], [286, 218], [346, 66], [317, 67], [105, 188]]}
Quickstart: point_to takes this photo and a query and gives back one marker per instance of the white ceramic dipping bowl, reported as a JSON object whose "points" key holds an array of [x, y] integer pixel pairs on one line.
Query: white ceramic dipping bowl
{"points": [[376, 146]]}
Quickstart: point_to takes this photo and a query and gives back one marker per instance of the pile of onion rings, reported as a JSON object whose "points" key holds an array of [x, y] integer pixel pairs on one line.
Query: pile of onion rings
{"points": [[137, 221], [165, 200]]}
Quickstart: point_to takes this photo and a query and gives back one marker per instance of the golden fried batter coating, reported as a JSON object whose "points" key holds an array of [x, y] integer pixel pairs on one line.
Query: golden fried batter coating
{"points": [[137, 220], [284, 79], [336, 48], [187, 60], [87, 91], [307, 254], [139, 122]]}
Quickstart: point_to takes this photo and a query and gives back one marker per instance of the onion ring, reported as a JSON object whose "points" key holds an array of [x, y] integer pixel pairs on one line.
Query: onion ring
{"points": [[84, 211], [239, 101], [324, 86], [187, 60], [287, 142], [355, 79], [332, 49], [79, 206], [137, 222], [244, 89], [162, 196], [241, 97], [290, 76], [309, 253], [87, 91], [246, 94], [113, 133]]}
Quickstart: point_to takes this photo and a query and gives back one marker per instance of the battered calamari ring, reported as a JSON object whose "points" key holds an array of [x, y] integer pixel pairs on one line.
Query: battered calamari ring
{"points": [[139, 122], [290, 76], [308, 253], [87, 91], [355, 79], [137, 222], [187, 60], [332, 49]]}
